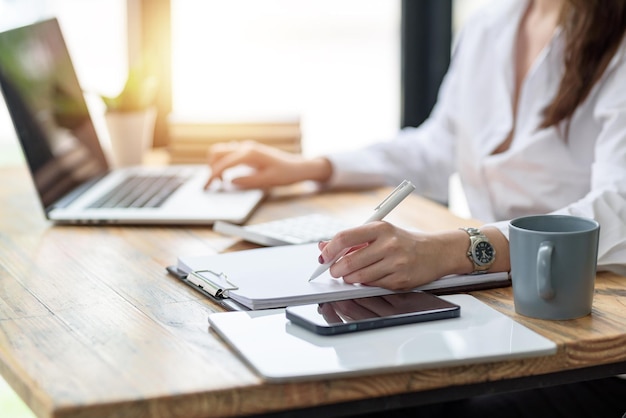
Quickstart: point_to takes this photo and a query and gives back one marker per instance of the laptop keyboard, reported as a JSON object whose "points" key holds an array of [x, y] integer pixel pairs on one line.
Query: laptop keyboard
{"points": [[140, 191]]}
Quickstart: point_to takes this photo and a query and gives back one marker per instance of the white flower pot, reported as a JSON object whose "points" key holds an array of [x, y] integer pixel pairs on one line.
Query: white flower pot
{"points": [[131, 135]]}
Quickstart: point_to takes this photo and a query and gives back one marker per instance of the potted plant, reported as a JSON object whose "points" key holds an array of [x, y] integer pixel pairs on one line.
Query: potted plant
{"points": [[130, 117]]}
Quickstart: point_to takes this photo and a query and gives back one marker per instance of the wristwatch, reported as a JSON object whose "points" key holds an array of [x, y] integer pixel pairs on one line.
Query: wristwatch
{"points": [[480, 252]]}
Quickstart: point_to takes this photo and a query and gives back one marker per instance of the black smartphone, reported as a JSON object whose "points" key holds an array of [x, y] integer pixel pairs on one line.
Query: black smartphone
{"points": [[360, 314]]}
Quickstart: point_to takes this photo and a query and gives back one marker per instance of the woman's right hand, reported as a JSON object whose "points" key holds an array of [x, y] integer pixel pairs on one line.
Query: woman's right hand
{"points": [[271, 166]]}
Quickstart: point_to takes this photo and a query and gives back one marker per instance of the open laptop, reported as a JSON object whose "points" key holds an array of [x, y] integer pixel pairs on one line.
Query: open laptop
{"points": [[64, 154]]}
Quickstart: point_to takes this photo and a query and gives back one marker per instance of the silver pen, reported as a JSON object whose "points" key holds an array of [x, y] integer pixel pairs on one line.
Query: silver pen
{"points": [[395, 197]]}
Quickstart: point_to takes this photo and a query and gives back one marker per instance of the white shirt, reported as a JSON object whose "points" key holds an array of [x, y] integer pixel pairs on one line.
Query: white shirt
{"points": [[540, 172]]}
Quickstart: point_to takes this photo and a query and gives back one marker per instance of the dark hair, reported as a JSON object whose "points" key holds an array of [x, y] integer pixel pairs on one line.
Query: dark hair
{"points": [[593, 31]]}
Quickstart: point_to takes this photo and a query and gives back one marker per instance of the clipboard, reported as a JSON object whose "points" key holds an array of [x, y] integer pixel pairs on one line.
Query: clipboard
{"points": [[211, 284], [275, 277]]}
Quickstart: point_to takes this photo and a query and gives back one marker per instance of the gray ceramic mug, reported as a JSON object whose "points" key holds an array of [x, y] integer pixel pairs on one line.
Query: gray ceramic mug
{"points": [[553, 265]]}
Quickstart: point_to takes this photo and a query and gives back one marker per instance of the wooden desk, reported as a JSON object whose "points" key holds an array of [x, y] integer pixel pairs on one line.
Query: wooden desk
{"points": [[91, 325]]}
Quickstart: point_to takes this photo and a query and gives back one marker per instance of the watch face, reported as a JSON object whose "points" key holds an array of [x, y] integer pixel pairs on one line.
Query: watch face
{"points": [[483, 253]]}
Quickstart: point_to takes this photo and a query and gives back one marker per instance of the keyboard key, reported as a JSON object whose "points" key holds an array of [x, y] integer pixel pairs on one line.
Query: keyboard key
{"points": [[140, 191], [300, 229]]}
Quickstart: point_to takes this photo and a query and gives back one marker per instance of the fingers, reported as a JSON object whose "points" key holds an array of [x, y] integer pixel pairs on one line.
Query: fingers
{"points": [[214, 155], [381, 255], [353, 238], [362, 263], [226, 156], [257, 180], [364, 266], [272, 167]]}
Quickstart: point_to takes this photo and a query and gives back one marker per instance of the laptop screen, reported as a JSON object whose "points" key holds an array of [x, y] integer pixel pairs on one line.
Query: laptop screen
{"points": [[48, 110]]}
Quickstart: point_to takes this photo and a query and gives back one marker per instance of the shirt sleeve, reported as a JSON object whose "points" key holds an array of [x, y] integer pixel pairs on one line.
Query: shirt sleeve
{"points": [[424, 155]]}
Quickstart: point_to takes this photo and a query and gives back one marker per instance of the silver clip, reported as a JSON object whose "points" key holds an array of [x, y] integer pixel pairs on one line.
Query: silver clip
{"points": [[217, 284]]}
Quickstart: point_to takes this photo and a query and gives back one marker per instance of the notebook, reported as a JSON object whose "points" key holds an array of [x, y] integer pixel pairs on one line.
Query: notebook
{"points": [[278, 350], [273, 277], [65, 157]]}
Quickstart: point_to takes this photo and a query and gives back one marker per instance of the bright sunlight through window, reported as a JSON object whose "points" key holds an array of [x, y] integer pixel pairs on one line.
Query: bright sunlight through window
{"points": [[335, 65]]}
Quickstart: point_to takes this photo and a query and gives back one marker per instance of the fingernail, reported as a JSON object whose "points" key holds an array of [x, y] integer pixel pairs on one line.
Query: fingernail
{"points": [[320, 259]]}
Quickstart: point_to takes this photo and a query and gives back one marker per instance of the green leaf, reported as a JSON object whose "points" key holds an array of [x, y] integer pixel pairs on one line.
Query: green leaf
{"points": [[139, 93]]}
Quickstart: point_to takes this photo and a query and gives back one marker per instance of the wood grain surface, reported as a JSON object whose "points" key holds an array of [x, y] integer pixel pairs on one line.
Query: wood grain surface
{"points": [[92, 326]]}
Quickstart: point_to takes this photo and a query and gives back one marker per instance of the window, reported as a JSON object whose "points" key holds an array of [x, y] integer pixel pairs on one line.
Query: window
{"points": [[95, 33], [336, 65]]}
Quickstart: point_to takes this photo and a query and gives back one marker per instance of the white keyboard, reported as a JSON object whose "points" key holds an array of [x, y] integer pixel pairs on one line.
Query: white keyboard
{"points": [[293, 230]]}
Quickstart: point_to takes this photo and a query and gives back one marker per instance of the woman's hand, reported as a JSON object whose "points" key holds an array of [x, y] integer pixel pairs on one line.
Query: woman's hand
{"points": [[272, 167], [387, 256]]}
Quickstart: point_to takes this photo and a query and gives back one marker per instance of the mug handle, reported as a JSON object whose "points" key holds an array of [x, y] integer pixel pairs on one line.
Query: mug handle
{"points": [[544, 267]]}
